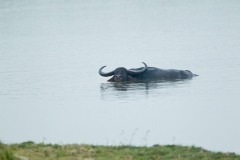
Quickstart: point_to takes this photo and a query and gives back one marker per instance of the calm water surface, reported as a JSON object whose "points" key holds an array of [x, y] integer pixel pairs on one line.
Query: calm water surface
{"points": [[50, 89]]}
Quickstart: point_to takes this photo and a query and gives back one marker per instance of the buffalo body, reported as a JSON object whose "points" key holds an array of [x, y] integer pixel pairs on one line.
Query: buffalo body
{"points": [[146, 74]]}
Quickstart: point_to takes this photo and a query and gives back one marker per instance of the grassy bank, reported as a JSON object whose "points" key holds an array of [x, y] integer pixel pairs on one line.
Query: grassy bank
{"points": [[32, 151]]}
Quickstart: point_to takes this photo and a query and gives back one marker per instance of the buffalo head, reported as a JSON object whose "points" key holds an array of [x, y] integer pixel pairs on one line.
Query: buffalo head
{"points": [[122, 74]]}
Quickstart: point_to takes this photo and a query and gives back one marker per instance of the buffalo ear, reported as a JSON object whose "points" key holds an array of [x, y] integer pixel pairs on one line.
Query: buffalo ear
{"points": [[131, 79], [111, 79]]}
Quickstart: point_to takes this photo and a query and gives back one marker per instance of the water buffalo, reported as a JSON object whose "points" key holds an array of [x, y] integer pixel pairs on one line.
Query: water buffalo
{"points": [[146, 73]]}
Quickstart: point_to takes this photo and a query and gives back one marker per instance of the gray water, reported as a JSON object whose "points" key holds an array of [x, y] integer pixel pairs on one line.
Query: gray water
{"points": [[50, 89]]}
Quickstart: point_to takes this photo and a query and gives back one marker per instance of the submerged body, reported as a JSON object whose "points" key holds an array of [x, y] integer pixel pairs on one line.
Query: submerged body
{"points": [[153, 73], [146, 74]]}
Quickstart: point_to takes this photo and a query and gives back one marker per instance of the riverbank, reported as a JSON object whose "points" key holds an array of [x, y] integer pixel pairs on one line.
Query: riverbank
{"points": [[30, 150]]}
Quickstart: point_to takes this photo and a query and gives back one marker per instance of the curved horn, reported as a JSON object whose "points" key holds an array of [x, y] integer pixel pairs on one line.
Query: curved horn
{"points": [[137, 72], [105, 74]]}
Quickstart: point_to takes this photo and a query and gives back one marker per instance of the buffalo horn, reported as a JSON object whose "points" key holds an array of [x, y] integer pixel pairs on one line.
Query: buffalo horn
{"points": [[105, 74], [131, 72]]}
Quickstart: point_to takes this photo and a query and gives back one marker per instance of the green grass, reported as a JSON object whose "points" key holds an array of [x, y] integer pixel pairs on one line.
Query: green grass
{"points": [[30, 150], [6, 152]]}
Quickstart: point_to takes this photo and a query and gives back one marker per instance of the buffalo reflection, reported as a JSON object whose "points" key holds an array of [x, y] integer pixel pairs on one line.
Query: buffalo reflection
{"points": [[129, 89]]}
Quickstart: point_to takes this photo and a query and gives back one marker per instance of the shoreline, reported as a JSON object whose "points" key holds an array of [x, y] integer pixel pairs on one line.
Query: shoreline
{"points": [[38, 151]]}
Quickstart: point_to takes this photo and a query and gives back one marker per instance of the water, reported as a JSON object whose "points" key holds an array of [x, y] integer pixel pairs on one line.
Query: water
{"points": [[50, 89]]}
